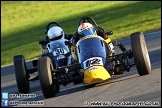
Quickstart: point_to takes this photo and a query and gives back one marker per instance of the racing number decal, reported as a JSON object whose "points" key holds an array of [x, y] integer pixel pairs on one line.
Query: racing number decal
{"points": [[59, 51], [92, 61]]}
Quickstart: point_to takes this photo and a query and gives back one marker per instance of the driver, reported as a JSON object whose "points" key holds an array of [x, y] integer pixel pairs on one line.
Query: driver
{"points": [[86, 29], [55, 33]]}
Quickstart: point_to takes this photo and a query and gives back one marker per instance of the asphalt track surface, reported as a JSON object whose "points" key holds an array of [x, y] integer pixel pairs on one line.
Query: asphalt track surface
{"points": [[121, 90]]}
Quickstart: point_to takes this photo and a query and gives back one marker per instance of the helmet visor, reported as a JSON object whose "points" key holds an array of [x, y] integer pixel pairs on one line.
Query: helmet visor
{"points": [[56, 38], [87, 32]]}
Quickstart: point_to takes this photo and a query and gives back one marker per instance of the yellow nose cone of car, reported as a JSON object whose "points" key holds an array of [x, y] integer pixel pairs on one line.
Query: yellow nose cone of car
{"points": [[95, 74]]}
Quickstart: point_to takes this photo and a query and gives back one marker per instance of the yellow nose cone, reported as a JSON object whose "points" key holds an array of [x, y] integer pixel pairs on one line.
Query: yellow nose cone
{"points": [[95, 74]]}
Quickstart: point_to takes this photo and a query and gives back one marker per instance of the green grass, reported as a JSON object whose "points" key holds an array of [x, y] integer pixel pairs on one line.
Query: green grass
{"points": [[23, 22]]}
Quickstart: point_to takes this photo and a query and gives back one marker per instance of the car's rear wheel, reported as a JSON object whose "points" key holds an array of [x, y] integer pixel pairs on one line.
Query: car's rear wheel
{"points": [[140, 53], [45, 66], [21, 74]]}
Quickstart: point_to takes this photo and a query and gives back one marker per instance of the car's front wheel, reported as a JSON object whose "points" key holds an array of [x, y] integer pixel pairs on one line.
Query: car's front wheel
{"points": [[45, 66], [21, 74], [140, 53]]}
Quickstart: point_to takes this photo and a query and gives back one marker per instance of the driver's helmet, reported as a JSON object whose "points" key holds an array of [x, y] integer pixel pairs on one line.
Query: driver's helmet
{"points": [[55, 33], [86, 29]]}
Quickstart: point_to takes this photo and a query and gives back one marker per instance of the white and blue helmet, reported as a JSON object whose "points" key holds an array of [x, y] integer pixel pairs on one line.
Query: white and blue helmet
{"points": [[86, 29]]}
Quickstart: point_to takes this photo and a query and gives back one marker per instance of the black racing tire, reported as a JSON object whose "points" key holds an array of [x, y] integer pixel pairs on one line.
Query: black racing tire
{"points": [[51, 56], [21, 75], [57, 84], [44, 71], [57, 87], [140, 53]]}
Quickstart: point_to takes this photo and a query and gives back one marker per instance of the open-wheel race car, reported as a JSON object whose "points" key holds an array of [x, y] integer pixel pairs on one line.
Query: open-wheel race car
{"points": [[94, 61]]}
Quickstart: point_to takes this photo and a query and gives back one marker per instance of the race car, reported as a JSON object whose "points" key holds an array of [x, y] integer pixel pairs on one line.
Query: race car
{"points": [[93, 62]]}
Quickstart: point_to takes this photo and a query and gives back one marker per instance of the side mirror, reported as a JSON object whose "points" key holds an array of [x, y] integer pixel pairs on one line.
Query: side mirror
{"points": [[109, 33]]}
